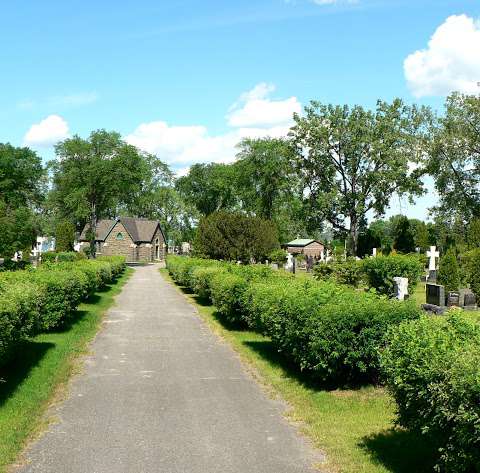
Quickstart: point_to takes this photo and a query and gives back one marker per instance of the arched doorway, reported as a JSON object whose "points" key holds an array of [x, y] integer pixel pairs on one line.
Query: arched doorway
{"points": [[157, 249]]}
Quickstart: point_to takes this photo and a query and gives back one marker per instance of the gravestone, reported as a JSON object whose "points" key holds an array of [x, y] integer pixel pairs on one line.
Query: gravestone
{"points": [[433, 254], [453, 299], [374, 252], [274, 266], [290, 265], [435, 294], [468, 299], [401, 288]]}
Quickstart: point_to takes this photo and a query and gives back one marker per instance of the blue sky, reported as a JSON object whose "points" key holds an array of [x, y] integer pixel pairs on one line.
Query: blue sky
{"points": [[187, 79]]}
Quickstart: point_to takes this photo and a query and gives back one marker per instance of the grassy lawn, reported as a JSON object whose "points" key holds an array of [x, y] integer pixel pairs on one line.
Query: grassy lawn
{"points": [[354, 427], [40, 371]]}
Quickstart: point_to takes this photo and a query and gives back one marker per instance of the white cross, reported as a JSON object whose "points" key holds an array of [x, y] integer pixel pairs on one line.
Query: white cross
{"points": [[432, 254]]}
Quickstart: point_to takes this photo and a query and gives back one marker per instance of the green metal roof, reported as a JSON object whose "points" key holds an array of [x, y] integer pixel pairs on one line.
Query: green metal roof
{"points": [[300, 242]]}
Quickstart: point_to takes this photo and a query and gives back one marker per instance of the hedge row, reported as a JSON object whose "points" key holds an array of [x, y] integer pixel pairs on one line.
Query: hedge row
{"points": [[327, 329], [378, 272], [432, 368], [39, 299]]}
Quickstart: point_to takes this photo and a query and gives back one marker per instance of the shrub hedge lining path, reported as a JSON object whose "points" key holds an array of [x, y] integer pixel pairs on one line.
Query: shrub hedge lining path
{"points": [[162, 393]]}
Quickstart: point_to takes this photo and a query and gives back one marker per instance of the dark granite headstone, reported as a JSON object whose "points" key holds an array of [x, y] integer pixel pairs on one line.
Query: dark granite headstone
{"points": [[435, 294], [468, 299], [453, 299]]}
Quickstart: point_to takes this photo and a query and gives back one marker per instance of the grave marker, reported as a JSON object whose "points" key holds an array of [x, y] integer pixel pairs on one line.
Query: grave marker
{"points": [[432, 254], [401, 288]]}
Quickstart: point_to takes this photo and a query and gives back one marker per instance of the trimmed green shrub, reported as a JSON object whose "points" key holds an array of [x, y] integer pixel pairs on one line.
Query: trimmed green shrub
{"points": [[43, 298], [64, 236], [348, 272], [432, 368], [227, 295], [449, 271], [330, 330], [19, 315], [381, 270], [202, 280], [326, 329]]}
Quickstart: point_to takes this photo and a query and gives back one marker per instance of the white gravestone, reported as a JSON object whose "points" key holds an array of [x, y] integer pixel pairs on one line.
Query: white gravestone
{"points": [[290, 262], [433, 255], [374, 252], [401, 288]]}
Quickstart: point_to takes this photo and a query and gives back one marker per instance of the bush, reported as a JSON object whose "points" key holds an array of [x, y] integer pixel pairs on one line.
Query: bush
{"points": [[381, 270], [234, 236], [19, 315], [227, 295], [328, 330], [449, 271], [43, 298], [278, 256], [202, 280], [348, 272], [432, 368]]}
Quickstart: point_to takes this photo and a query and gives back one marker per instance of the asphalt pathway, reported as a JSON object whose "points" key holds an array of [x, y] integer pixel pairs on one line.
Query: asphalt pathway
{"points": [[161, 393]]}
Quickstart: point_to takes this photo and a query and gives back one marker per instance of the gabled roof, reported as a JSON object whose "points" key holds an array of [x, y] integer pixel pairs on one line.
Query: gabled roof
{"points": [[139, 229], [302, 242], [103, 229]]}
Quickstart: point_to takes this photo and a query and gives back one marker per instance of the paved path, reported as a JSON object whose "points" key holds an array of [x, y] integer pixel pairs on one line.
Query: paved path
{"points": [[161, 393]]}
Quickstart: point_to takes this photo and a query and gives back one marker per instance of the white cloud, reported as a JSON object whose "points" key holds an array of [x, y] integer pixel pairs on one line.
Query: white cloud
{"points": [[254, 115], [451, 62], [256, 109], [47, 132]]}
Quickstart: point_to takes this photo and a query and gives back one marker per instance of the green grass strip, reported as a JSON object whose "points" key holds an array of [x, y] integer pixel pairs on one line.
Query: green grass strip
{"points": [[354, 427], [41, 369]]}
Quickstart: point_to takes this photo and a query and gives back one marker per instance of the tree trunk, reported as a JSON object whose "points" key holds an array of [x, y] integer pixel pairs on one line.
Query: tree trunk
{"points": [[354, 234]]}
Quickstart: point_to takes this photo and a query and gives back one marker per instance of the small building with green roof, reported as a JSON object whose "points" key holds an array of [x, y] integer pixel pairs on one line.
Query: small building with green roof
{"points": [[307, 247]]}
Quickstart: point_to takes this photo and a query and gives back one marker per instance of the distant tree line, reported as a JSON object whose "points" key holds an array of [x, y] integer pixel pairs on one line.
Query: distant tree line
{"points": [[337, 170]]}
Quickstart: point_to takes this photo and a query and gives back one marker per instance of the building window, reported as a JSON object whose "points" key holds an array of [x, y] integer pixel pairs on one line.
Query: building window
{"points": [[119, 236]]}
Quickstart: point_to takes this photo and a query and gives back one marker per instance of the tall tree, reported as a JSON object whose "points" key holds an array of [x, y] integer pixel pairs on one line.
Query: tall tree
{"points": [[210, 187], [94, 176], [403, 235], [265, 177], [22, 186], [454, 156], [353, 160]]}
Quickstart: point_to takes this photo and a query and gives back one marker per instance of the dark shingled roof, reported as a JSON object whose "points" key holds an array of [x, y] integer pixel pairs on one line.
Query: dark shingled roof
{"points": [[103, 229], [140, 229]]}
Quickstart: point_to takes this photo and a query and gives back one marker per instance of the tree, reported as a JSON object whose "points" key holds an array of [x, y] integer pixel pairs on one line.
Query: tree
{"points": [[352, 161], [64, 236], [177, 218], [93, 177], [454, 156], [449, 271], [265, 177], [17, 229], [210, 187], [235, 236], [22, 184], [473, 234], [22, 177], [421, 235], [403, 233]]}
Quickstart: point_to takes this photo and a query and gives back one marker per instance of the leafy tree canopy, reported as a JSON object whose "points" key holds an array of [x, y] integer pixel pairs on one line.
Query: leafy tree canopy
{"points": [[353, 160]]}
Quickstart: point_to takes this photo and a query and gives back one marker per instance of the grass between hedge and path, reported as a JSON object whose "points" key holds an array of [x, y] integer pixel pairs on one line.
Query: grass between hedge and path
{"points": [[354, 427], [40, 371]]}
